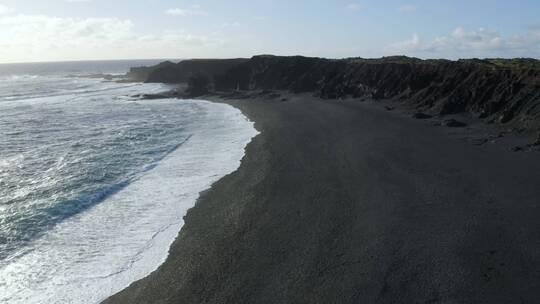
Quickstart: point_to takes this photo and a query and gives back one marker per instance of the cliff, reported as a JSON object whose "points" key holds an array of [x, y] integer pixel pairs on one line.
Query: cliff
{"points": [[168, 72], [505, 91], [143, 73]]}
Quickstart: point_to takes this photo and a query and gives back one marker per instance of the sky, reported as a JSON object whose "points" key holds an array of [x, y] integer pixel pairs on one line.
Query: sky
{"points": [[60, 30]]}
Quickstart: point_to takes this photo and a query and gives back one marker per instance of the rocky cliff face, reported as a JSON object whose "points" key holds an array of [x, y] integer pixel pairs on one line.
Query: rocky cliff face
{"points": [[501, 91], [143, 73], [168, 72]]}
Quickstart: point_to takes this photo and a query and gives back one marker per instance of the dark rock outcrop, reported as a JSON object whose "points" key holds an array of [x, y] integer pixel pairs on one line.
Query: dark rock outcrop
{"points": [[143, 73], [452, 123], [198, 84], [497, 90], [537, 141], [168, 72]]}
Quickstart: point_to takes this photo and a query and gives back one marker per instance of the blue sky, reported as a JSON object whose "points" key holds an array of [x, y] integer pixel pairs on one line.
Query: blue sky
{"points": [[51, 30]]}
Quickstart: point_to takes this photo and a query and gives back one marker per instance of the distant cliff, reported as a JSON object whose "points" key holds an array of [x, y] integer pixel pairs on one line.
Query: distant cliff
{"points": [[505, 91], [168, 72]]}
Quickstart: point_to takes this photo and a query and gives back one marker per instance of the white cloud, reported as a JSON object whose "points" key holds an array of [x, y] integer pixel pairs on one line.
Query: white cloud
{"points": [[461, 40], [52, 30], [176, 12], [478, 43], [407, 8], [5, 10], [41, 37], [412, 44], [231, 24], [194, 10], [355, 7]]}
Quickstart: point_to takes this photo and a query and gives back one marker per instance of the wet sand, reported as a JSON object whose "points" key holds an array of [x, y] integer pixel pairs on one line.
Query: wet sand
{"points": [[341, 202]]}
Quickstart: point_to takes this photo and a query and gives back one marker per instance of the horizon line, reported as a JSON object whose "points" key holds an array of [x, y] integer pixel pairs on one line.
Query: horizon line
{"points": [[262, 54]]}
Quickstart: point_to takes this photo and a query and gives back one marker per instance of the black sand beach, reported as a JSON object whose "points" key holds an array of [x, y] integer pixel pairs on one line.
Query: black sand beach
{"points": [[340, 202]]}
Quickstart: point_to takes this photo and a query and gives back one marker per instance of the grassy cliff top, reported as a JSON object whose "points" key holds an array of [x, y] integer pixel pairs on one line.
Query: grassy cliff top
{"points": [[496, 63]]}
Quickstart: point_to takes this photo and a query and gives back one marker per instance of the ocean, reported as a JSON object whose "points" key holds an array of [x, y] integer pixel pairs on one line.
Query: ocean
{"points": [[94, 182]]}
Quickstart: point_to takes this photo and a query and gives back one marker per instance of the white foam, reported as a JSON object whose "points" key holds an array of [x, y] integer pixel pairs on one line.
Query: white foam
{"points": [[101, 251]]}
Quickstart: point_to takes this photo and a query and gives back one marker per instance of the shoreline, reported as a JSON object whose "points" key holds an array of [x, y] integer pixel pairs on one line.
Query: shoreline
{"points": [[244, 131], [352, 221], [203, 194]]}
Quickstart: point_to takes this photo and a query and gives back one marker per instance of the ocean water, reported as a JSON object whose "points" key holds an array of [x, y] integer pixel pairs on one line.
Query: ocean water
{"points": [[94, 183]]}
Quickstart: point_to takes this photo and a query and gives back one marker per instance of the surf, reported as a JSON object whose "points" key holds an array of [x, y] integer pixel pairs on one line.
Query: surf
{"points": [[97, 184]]}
